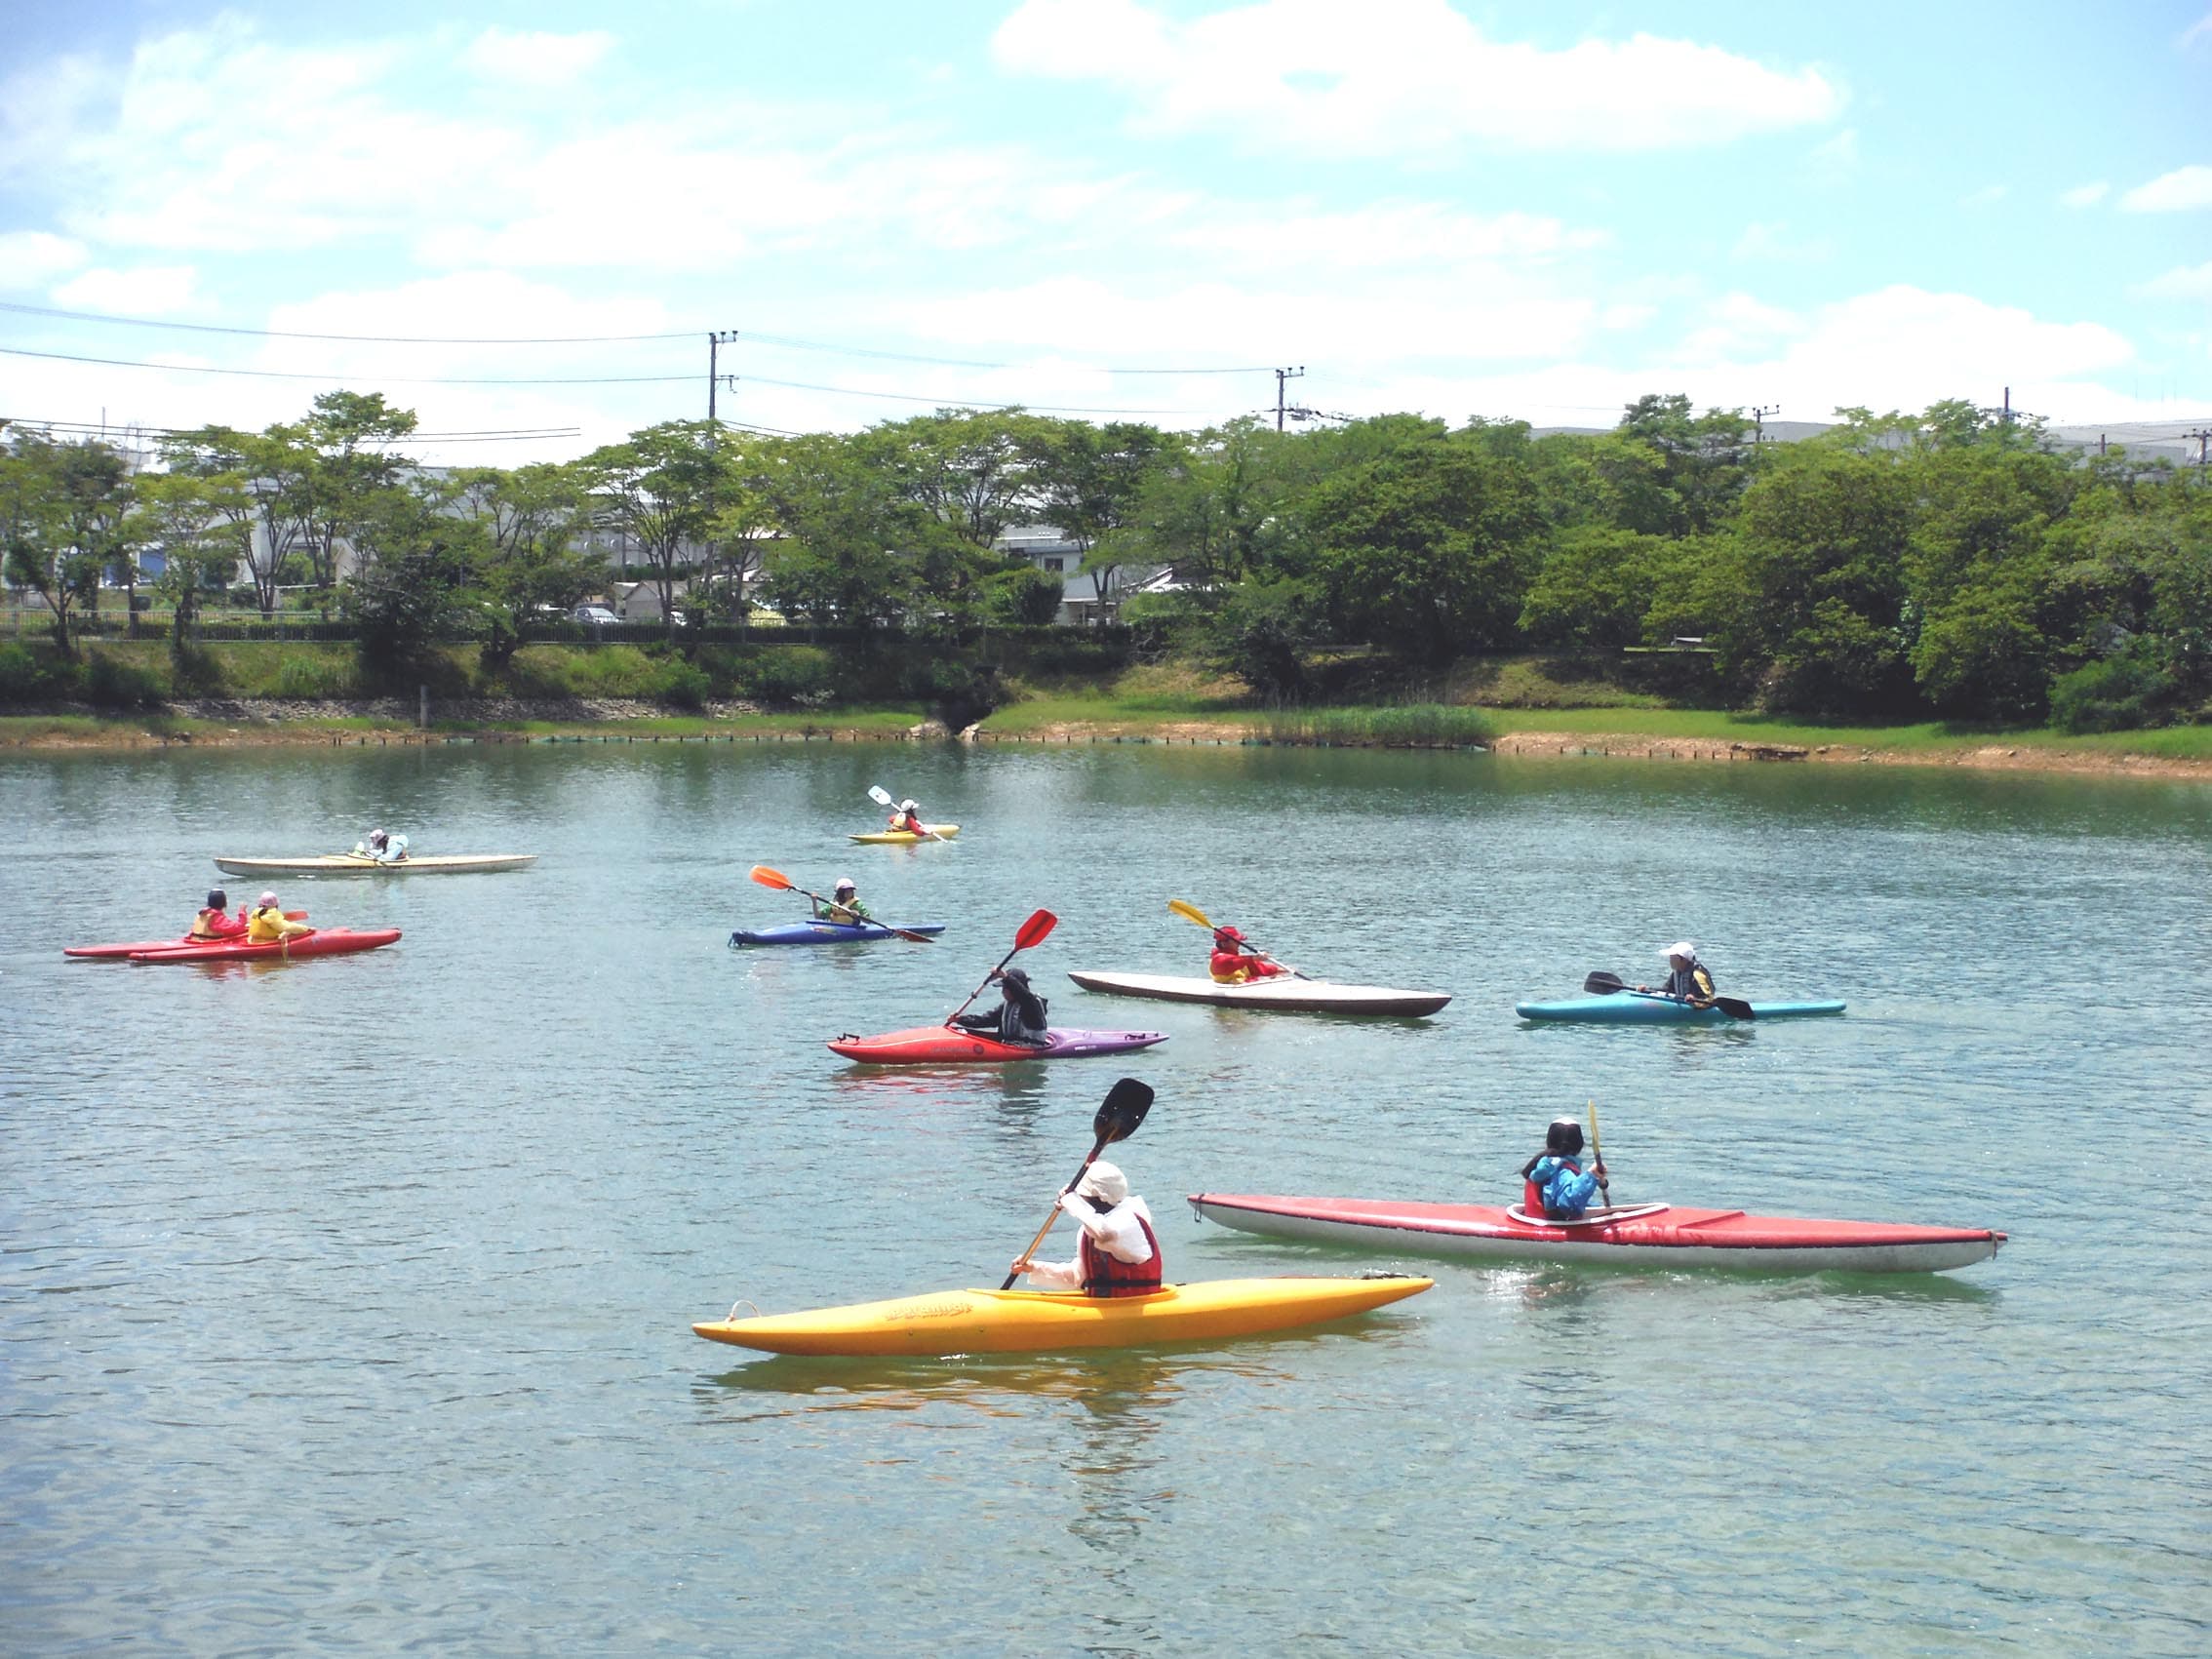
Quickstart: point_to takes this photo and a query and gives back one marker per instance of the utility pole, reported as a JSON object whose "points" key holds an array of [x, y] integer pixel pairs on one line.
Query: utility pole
{"points": [[1281, 377], [1758, 414], [714, 341], [2202, 435]]}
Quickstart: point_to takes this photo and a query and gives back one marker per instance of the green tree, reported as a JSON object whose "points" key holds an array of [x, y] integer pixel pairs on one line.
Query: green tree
{"points": [[525, 558], [1594, 587], [189, 520], [411, 582], [339, 466], [1427, 551], [662, 488], [63, 512]]}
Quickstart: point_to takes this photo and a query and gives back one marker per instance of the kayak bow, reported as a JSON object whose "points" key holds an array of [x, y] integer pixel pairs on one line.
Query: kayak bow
{"points": [[1020, 1321]]}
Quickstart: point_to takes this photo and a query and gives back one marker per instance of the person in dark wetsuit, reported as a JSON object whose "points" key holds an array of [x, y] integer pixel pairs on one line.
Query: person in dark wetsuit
{"points": [[1553, 1185], [1019, 1016]]}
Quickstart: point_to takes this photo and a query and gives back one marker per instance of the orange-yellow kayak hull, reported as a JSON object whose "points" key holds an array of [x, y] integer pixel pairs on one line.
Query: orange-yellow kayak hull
{"points": [[1021, 1321]]}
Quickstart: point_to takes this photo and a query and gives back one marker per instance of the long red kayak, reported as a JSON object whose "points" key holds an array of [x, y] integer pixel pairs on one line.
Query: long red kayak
{"points": [[324, 941], [944, 1044], [119, 952], [1658, 1234]]}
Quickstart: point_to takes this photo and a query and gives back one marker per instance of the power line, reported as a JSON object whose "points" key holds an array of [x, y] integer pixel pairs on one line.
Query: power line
{"points": [[383, 379], [355, 340], [785, 340]]}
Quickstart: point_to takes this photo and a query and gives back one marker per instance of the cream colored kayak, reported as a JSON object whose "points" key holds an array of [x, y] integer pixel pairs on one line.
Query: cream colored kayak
{"points": [[1020, 1321], [1300, 996], [361, 864]]}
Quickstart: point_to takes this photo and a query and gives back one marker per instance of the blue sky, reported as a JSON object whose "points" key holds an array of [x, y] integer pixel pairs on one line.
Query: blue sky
{"points": [[1461, 209]]}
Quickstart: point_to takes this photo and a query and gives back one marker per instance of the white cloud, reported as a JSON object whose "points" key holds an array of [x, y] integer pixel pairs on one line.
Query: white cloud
{"points": [[2177, 191], [150, 290], [533, 58], [2085, 195], [32, 258], [1386, 234], [1402, 76], [1775, 241], [2185, 283], [1984, 197], [2202, 29]]}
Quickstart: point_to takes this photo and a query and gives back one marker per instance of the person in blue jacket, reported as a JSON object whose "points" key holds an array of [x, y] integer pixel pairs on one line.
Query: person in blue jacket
{"points": [[1554, 1184]]}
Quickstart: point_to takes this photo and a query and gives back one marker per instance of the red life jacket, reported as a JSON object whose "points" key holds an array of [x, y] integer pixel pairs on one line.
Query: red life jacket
{"points": [[1104, 1274]]}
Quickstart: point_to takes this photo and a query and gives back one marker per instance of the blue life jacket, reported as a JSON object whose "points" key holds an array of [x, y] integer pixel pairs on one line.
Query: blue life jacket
{"points": [[1565, 1188]]}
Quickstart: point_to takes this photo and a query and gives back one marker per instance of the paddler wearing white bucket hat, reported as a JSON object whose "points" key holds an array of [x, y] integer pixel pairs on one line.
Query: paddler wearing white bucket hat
{"points": [[1688, 979], [1119, 1254]]}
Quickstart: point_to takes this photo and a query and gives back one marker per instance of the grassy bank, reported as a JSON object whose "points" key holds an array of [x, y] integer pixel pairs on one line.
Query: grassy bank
{"points": [[1523, 707]]}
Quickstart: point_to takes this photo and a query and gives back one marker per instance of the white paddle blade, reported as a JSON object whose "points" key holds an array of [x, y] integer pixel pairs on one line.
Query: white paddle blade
{"points": [[879, 795]]}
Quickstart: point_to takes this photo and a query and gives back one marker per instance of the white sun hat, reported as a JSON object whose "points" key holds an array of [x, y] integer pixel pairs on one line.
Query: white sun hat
{"points": [[1682, 948], [1105, 1182]]}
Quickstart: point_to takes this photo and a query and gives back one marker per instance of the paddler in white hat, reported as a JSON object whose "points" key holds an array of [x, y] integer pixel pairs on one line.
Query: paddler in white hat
{"points": [[1688, 979], [1119, 1253]]}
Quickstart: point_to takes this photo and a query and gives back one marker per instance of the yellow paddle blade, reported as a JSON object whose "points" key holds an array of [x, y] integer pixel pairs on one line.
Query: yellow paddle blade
{"points": [[768, 878], [1189, 912]]}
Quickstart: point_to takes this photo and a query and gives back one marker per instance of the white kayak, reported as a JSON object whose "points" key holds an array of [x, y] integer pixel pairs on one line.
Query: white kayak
{"points": [[1300, 996], [361, 864]]}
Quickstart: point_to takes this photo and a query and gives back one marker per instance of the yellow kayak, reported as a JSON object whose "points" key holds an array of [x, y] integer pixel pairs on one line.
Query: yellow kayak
{"points": [[1018, 1321], [906, 838]]}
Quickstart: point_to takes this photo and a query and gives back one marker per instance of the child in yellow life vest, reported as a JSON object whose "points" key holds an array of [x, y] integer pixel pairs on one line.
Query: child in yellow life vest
{"points": [[267, 923]]}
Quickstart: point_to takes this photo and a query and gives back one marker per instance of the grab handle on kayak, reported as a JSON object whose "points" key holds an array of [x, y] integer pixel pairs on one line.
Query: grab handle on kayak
{"points": [[731, 1317]]}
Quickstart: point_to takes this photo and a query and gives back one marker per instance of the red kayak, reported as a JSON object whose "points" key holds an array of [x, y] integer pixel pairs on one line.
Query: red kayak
{"points": [[1657, 1234], [119, 952], [944, 1044], [324, 941]]}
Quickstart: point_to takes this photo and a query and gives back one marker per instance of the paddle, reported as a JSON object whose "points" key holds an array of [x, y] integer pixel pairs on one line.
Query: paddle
{"points": [[1598, 1157], [882, 798], [1119, 1115], [1031, 932], [783, 882], [1191, 912], [1607, 984]]}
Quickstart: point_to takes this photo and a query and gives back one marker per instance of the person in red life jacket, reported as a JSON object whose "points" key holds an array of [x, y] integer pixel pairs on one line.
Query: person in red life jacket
{"points": [[216, 922], [1234, 962], [1553, 1185], [908, 818], [1119, 1254]]}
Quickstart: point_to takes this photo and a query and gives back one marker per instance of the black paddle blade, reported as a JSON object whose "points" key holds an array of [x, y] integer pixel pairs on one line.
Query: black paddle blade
{"points": [[1735, 1007], [1123, 1109], [1603, 984]]}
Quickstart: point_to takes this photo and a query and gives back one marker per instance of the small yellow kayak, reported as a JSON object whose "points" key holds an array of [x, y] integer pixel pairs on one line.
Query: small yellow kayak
{"points": [[1018, 1321], [907, 838]]}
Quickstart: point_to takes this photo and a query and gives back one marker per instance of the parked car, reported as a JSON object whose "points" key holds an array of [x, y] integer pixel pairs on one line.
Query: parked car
{"points": [[594, 616]]}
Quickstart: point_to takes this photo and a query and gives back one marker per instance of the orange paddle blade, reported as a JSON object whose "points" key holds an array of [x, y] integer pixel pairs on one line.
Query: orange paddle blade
{"points": [[768, 878]]}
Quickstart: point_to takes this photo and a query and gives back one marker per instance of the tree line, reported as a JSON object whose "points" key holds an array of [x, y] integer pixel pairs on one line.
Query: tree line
{"points": [[1951, 563]]}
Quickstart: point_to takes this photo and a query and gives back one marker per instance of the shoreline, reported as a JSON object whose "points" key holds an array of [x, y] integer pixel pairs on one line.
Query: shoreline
{"points": [[233, 725]]}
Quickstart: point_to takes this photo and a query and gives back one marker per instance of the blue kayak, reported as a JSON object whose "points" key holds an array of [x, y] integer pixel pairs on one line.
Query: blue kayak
{"points": [[1649, 1007], [827, 933]]}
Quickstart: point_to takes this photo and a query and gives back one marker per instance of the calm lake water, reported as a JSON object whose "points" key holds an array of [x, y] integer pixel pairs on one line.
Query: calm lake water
{"points": [[345, 1303]]}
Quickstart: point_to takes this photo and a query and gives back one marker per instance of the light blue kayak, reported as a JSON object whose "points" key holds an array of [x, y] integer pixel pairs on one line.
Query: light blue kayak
{"points": [[1649, 1007], [827, 933]]}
